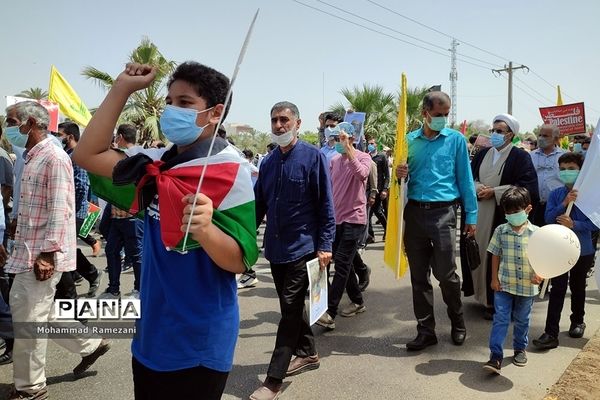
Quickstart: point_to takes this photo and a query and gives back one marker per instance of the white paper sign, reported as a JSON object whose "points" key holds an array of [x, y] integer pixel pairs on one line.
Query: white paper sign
{"points": [[317, 284]]}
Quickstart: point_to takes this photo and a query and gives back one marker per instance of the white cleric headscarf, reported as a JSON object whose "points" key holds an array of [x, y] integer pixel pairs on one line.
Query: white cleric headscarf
{"points": [[512, 123]]}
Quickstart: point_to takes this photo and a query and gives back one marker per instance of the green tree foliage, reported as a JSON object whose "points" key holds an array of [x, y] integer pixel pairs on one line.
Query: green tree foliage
{"points": [[34, 93], [144, 107]]}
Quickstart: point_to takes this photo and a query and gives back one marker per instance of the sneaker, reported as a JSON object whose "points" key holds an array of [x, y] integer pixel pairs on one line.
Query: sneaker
{"points": [[363, 282], [41, 394], [95, 285], [352, 309], [493, 366], [110, 295], [2, 344], [127, 267], [134, 294], [577, 330], [520, 358], [264, 393], [246, 280], [302, 364], [6, 358], [90, 359], [326, 321]]}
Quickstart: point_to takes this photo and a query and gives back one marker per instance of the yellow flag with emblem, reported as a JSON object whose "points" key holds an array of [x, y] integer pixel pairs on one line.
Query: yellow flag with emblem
{"points": [[564, 142], [68, 101], [393, 252]]}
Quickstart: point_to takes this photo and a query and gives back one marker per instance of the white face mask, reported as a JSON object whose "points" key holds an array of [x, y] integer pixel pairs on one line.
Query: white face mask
{"points": [[284, 139]]}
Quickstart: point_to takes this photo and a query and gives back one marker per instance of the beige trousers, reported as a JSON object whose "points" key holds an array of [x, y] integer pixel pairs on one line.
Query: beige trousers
{"points": [[32, 305]]}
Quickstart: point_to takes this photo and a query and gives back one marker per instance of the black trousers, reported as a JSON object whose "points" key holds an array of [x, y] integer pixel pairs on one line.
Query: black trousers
{"points": [[430, 240], [538, 218], [575, 278], [294, 335], [345, 245], [190, 383], [380, 213]]}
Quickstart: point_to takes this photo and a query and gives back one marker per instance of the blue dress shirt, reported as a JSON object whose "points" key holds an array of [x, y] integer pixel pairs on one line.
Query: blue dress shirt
{"points": [[440, 171], [294, 191]]}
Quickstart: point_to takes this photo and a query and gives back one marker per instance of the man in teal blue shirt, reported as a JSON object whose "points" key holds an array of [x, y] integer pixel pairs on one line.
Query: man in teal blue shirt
{"points": [[440, 180]]}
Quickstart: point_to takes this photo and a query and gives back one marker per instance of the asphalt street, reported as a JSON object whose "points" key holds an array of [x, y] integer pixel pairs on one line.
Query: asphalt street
{"points": [[363, 358]]}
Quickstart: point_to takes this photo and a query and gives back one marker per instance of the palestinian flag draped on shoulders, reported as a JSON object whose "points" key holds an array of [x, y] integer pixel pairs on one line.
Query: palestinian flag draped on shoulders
{"points": [[227, 183]]}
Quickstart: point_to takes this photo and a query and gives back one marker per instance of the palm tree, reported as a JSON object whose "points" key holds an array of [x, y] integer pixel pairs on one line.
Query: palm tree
{"points": [[35, 93], [382, 110], [144, 107]]}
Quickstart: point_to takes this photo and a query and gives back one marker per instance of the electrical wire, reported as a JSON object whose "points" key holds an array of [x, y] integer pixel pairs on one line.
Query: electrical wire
{"points": [[386, 34], [404, 34]]}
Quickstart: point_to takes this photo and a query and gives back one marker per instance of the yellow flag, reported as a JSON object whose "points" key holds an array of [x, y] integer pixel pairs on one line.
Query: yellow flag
{"points": [[564, 142], [559, 101], [393, 252], [68, 101]]}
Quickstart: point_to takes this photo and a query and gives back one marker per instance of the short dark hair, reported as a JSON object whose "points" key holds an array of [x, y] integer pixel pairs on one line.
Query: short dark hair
{"points": [[576, 158], [70, 128], [334, 117], [248, 153], [473, 138], [209, 83], [515, 198], [128, 132], [433, 98]]}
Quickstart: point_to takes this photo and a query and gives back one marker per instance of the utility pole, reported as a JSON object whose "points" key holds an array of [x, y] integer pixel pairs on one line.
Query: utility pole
{"points": [[510, 70], [453, 79]]}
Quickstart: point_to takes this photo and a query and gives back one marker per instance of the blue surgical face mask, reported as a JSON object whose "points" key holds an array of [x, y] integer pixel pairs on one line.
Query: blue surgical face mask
{"points": [[517, 219], [577, 148], [371, 148], [542, 142], [437, 123], [179, 124], [340, 148], [568, 176], [497, 140], [15, 137]]}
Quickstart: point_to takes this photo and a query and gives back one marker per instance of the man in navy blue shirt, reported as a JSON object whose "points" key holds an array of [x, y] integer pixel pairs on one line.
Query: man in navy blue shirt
{"points": [[440, 179], [294, 191]]}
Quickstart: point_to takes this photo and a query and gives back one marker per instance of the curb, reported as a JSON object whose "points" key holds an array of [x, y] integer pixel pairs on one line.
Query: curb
{"points": [[580, 379]]}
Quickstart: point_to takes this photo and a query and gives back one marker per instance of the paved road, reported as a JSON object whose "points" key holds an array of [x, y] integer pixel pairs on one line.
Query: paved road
{"points": [[363, 358]]}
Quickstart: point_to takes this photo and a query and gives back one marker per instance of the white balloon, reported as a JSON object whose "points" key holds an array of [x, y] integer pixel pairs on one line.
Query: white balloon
{"points": [[553, 250]]}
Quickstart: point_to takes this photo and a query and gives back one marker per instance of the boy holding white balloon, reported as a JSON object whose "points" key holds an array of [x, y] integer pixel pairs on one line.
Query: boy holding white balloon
{"points": [[558, 202], [514, 282]]}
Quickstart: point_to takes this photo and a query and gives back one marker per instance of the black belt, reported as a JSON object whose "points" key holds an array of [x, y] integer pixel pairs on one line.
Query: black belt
{"points": [[433, 204]]}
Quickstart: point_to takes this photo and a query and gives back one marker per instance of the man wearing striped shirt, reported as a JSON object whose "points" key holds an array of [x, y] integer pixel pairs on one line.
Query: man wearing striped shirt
{"points": [[45, 245]]}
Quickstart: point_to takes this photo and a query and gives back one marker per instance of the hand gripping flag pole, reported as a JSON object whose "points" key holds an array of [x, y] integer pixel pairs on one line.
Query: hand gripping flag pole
{"points": [[212, 142]]}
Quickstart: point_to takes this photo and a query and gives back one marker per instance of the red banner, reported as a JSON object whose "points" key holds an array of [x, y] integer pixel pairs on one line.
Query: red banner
{"points": [[570, 118]]}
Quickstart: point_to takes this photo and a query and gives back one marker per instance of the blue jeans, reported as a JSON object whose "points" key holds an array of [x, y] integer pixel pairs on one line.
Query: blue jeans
{"points": [[128, 233], [519, 308]]}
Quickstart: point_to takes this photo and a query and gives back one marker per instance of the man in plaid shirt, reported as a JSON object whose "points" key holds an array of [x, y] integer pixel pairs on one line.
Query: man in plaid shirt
{"points": [[45, 246], [513, 280]]}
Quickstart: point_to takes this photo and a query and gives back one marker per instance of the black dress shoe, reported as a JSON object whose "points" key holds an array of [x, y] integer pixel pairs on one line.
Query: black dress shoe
{"points": [[421, 341], [363, 281], [577, 331], [488, 314], [545, 342], [458, 336]]}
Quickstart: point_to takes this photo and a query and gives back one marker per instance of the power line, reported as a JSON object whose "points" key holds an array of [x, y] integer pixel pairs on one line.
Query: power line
{"points": [[386, 34], [533, 90], [472, 45], [402, 33], [435, 30]]}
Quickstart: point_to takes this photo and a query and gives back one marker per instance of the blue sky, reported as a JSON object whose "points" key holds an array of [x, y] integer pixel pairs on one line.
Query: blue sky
{"points": [[294, 46]]}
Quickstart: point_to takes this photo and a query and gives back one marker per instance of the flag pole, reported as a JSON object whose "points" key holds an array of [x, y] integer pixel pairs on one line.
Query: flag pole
{"points": [[212, 142]]}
